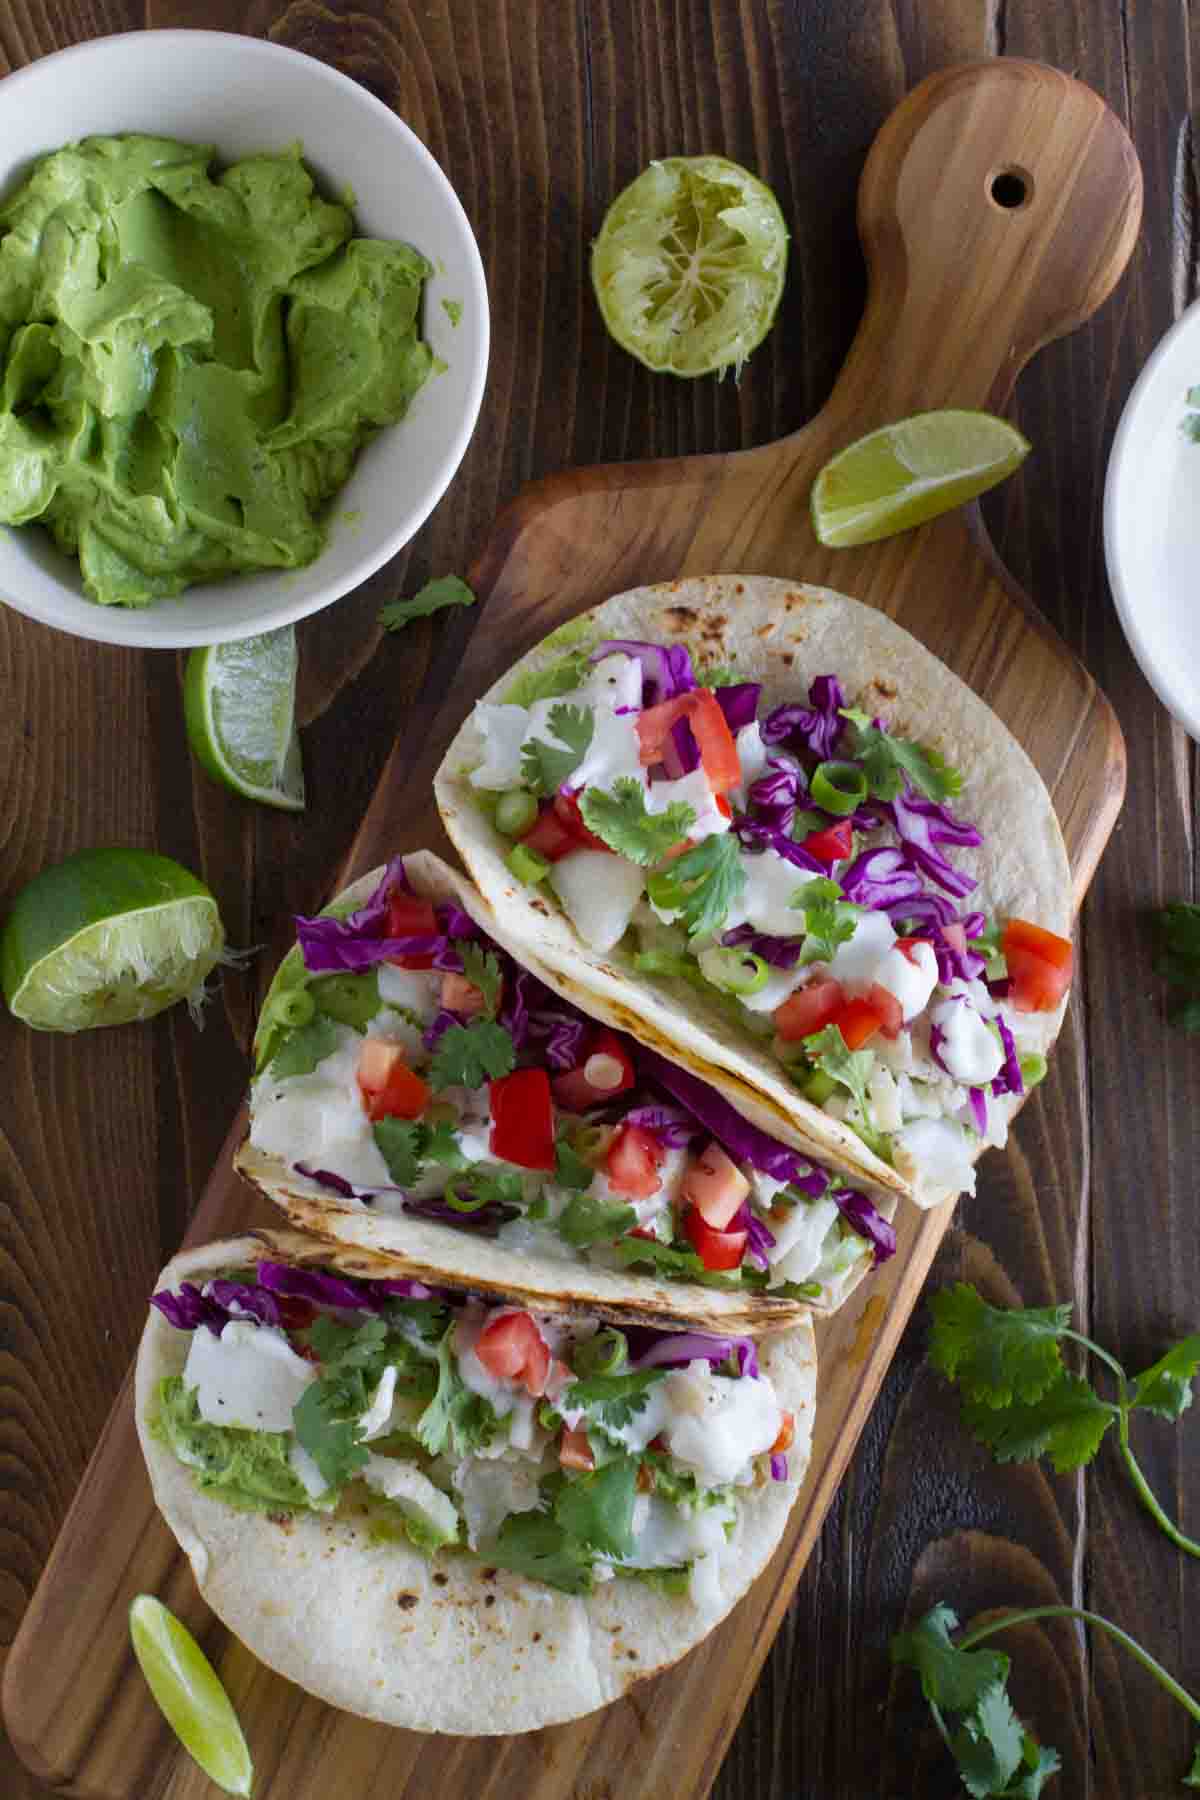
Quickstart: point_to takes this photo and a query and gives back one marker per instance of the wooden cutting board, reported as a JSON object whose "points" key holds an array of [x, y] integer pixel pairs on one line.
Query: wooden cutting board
{"points": [[998, 207]]}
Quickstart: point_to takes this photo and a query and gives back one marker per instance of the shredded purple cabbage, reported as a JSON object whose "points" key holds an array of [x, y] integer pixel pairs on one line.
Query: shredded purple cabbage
{"points": [[1000, 988], [937, 1038], [869, 1223], [454, 922], [734, 1133], [1009, 1080], [439, 1025], [673, 1127], [673, 1349], [781, 953], [339, 1291], [337, 1184], [758, 1240], [486, 1221], [187, 1308], [921, 910], [978, 1100], [879, 879], [242, 1301], [779, 1469], [777, 792], [739, 703], [565, 1038], [815, 727], [682, 753], [922, 825], [666, 668]]}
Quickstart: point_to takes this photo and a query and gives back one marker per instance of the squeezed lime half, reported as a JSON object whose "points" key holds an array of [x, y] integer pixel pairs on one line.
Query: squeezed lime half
{"points": [[189, 1692], [240, 706], [689, 265], [906, 473], [108, 936]]}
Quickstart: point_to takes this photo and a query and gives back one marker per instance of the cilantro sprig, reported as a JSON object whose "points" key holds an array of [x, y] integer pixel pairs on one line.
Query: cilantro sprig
{"points": [[482, 969], [621, 819], [434, 597], [469, 1055], [851, 1069], [1021, 1401], [702, 884], [997, 1757], [545, 766], [1177, 928], [829, 918], [406, 1144], [890, 763]]}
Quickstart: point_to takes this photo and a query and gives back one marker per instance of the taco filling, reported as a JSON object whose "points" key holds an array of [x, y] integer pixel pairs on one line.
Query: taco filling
{"points": [[800, 864], [407, 1064], [570, 1453]]}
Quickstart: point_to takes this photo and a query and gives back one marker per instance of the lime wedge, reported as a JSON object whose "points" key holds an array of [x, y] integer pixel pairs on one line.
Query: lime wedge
{"points": [[240, 704], [187, 1688], [689, 265], [911, 471], [108, 936]]}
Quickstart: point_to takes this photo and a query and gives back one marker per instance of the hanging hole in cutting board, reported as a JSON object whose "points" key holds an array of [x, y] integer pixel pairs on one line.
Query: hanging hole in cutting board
{"points": [[1011, 189]]}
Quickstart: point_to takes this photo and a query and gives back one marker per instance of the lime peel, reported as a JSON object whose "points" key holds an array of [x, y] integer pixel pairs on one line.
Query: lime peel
{"points": [[240, 708], [190, 1695]]}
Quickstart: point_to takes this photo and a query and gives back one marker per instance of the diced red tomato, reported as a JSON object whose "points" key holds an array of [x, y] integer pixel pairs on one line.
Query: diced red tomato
{"points": [[633, 1161], [523, 1119], [410, 916], [716, 743], [891, 1013], [574, 1451], [716, 1249], [606, 1071], [858, 1021], [460, 995], [511, 1348], [832, 844], [389, 1088], [1039, 965], [809, 1009], [549, 836], [715, 1186], [294, 1313], [566, 810], [787, 1432]]}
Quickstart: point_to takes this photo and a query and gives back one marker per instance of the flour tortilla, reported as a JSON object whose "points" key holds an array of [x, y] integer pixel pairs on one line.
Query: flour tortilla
{"points": [[433, 1252], [781, 634], [443, 1643]]}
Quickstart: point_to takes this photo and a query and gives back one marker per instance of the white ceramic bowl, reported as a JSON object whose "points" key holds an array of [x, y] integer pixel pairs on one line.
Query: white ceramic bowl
{"points": [[243, 95], [1152, 523]]}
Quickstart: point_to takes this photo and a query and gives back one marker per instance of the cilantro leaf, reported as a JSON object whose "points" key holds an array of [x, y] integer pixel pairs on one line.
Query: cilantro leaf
{"points": [[890, 763], [597, 1509], [456, 1421], [586, 1219], [440, 1145], [1040, 1764], [306, 1046], [1166, 1387], [827, 924], [561, 677], [849, 1068], [544, 767], [534, 1544], [953, 1679], [469, 1055], [1177, 929], [570, 1170], [621, 819], [330, 1439], [612, 1400], [501, 1187], [989, 1744], [327, 1416], [677, 1263], [702, 884], [996, 1353], [1066, 1423], [399, 1143], [447, 590], [482, 969]]}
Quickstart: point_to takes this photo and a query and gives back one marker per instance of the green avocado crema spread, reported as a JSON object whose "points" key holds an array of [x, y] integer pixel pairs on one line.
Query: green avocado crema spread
{"points": [[191, 365]]}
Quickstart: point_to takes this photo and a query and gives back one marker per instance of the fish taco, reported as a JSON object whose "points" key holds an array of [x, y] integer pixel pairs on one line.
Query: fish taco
{"points": [[759, 822], [450, 1515], [421, 1093]]}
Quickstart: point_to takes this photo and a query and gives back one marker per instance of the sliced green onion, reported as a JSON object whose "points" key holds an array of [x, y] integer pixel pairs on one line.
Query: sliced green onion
{"points": [[527, 865], [462, 1203], [819, 1087], [839, 787], [486, 800], [605, 1354], [295, 1006], [589, 1140], [666, 962], [1033, 1068], [515, 812], [734, 970]]}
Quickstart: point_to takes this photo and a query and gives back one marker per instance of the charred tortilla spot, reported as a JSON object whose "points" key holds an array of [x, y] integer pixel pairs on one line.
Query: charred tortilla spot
{"points": [[406, 1601], [440, 1579], [489, 1599], [787, 659], [681, 618], [488, 1574]]}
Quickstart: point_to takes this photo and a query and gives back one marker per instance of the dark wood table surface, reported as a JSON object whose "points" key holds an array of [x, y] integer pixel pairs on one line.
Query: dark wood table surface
{"points": [[540, 111]]}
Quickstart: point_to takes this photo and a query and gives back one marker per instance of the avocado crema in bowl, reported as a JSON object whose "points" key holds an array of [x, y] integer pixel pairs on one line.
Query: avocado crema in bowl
{"points": [[228, 362]]}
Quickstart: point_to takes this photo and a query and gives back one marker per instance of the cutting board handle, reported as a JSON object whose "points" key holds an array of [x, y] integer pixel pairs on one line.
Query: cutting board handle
{"points": [[997, 208]]}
